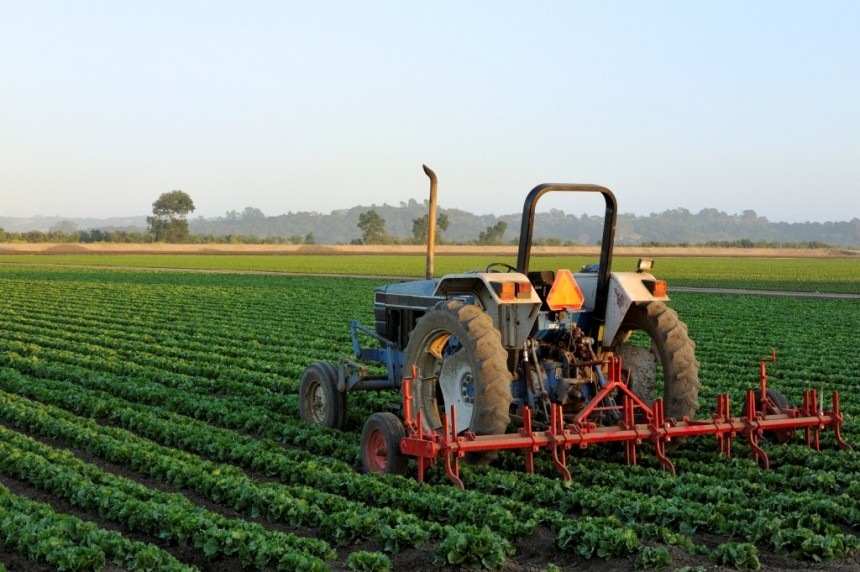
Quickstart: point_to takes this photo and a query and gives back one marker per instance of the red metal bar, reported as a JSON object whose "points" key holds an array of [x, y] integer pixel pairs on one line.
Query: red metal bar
{"points": [[407, 399], [628, 423], [526, 431]]}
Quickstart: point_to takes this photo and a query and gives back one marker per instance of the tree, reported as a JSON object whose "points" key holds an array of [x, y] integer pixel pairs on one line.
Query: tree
{"points": [[420, 227], [168, 223], [493, 235], [251, 213], [65, 227], [372, 227]]}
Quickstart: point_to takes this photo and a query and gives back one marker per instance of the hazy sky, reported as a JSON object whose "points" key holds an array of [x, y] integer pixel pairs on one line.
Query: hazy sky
{"points": [[314, 106]]}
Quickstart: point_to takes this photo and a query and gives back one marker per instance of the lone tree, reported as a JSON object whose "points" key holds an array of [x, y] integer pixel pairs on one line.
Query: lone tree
{"points": [[373, 228], [494, 234], [420, 227], [168, 222]]}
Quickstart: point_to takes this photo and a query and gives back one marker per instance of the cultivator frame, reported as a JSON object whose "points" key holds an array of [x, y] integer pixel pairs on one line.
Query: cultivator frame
{"points": [[563, 433]]}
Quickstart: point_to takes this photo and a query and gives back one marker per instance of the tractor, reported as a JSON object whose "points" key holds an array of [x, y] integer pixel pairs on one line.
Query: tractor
{"points": [[548, 351]]}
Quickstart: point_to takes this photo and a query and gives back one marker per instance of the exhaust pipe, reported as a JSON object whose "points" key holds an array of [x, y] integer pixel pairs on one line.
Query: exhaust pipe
{"points": [[431, 223]]}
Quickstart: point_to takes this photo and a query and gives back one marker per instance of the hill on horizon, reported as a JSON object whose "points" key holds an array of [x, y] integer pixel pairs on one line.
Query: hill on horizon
{"points": [[675, 226]]}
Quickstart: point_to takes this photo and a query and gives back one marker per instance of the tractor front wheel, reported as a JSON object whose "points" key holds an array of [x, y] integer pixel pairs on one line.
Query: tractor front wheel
{"points": [[380, 445], [320, 401], [671, 347]]}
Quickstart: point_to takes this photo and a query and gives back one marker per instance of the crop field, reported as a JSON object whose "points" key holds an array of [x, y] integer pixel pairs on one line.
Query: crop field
{"points": [[798, 274], [148, 421]]}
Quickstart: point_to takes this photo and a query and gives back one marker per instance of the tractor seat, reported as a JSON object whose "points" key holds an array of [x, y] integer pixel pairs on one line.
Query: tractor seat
{"points": [[542, 282]]}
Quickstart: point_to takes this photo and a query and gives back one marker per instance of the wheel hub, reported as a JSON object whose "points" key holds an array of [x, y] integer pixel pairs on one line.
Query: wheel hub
{"points": [[456, 383], [318, 406], [377, 451]]}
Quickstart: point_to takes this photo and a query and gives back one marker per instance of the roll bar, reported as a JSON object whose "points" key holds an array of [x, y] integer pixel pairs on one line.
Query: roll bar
{"points": [[606, 244]]}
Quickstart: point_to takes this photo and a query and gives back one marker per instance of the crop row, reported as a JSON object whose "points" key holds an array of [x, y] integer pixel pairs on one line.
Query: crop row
{"points": [[68, 543], [163, 515]]}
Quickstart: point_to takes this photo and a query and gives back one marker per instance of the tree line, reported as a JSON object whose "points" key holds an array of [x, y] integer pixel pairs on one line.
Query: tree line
{"points": [[408, 224]]}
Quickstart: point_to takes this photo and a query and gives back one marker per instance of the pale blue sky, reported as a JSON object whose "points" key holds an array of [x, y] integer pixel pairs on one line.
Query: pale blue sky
{"points": [[313, 106]]}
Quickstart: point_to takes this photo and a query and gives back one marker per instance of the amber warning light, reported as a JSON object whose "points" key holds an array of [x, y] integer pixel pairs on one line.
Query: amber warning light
{"points": [[565, 293], [513, 290]]}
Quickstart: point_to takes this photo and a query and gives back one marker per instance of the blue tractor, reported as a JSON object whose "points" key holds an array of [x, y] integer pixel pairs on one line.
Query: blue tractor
{"points": [[495, 340]]}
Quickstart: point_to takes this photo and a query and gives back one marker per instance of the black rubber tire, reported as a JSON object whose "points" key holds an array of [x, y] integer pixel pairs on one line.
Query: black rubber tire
{"points": [[781, 402], [380, 445], [675, 350], [487, 359], [778, 399], [320, 401]]}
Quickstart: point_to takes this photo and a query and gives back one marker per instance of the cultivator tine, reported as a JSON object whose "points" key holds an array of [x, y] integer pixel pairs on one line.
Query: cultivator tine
{"points": [[837, 428], [526, 431], [759, 454], [556, 430], [452, 457], [422, 462], [659, 436], [810, 406], [753, 431], [724, 416]]}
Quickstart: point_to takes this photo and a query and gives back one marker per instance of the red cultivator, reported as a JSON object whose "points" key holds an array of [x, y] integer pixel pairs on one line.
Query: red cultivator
{"points": [[638, 423]]}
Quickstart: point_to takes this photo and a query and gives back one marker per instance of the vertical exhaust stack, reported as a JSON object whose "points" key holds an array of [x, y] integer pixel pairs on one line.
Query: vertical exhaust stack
{"points": [[431, 223]]}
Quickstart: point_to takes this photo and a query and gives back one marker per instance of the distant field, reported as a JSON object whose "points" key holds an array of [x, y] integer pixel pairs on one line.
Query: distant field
{"points": [[801, 274]]}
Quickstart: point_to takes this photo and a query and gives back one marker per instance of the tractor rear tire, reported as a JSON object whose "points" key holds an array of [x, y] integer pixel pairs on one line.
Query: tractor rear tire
{"points": [[380, 445], [320, 401], [478, 379], [672, 346]]}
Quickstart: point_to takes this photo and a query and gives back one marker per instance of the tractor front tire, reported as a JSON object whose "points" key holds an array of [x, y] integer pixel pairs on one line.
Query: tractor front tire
{"points": [[671, 347], [320, 401], [380, 445], [459, 359]]}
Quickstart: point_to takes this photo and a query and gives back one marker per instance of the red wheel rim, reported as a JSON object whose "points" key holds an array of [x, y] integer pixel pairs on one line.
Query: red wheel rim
{"points": [[376, 451]]}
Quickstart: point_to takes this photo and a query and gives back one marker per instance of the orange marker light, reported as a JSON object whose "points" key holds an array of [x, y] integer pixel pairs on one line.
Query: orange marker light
{"points": [[565, 293], [656, 287], [508, 290], [524, 290]]}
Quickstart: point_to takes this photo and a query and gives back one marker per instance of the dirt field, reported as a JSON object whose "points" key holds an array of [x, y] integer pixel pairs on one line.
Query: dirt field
{"points": [[109, 248]]}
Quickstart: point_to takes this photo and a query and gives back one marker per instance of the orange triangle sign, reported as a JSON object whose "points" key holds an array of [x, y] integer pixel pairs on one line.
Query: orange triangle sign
{"points": [[565, 293]]}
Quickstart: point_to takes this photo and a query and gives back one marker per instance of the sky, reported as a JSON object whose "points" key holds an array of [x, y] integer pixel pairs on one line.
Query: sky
{"points": [[293, 106]]}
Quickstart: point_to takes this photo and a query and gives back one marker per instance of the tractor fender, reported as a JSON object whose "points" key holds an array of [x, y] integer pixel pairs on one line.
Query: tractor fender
{"points": [[625, 289], [513, 318]]}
